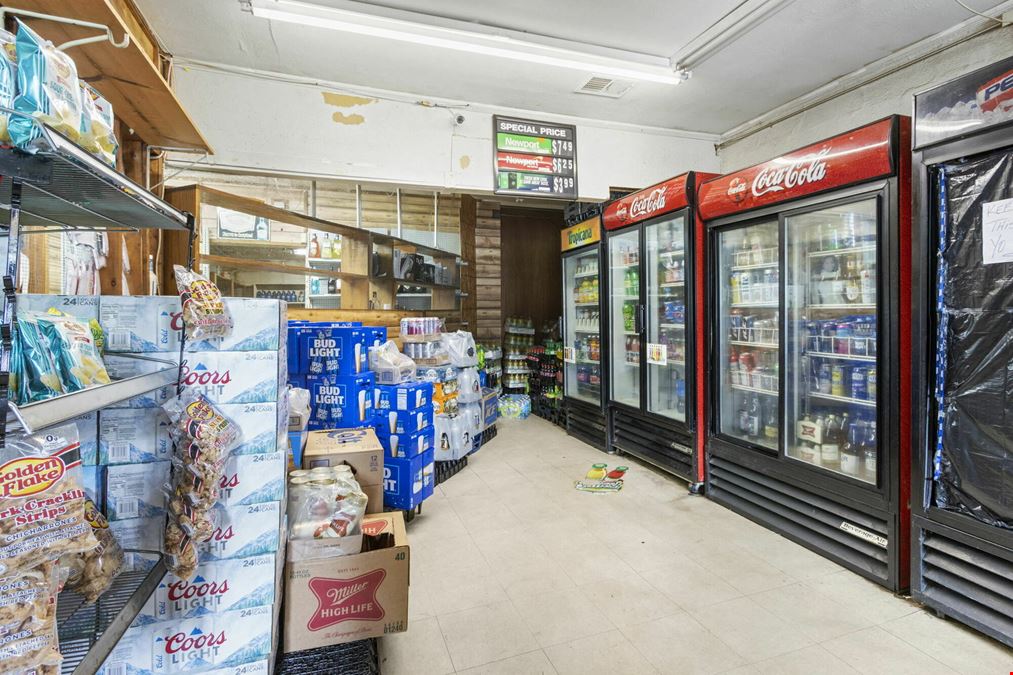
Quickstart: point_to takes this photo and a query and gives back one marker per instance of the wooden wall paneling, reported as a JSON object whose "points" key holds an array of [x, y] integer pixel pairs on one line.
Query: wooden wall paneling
{"points": [[488, 272], [174, 244], [467, 219], [531, 264]]}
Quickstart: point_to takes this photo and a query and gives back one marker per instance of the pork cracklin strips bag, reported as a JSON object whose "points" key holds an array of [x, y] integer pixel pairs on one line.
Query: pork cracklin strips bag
{"points": [[204, 312]]}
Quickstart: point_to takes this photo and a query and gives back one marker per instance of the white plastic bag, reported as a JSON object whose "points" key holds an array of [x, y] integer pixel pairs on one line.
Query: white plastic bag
{"points": [[469, 386], [461, 348], [390, 365]]}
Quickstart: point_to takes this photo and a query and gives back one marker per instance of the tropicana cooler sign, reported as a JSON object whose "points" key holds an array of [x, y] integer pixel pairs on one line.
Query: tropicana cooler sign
{"points": [[853, 157], [647, 203]]}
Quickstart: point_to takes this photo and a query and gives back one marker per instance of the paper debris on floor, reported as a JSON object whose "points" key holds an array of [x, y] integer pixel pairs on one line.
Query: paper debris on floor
{"points": [[586, 485]]}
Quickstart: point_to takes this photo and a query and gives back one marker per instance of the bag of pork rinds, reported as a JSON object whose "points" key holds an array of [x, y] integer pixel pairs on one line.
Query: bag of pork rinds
{"points": [[28, 621], [204, 312]]}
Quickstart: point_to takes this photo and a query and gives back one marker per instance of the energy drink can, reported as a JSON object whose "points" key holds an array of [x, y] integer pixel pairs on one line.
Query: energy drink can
{"points": [[837, 381], [859, 388]]}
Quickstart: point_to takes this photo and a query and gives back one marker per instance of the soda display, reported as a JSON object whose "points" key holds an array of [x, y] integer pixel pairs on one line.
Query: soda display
{"points": [[666, 311], [582, 343], [624, 275]]}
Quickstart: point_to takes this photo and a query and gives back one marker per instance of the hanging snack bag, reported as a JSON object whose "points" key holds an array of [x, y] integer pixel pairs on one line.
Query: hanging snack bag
{"points": [[8, 79], [195, 419], [97, 122], [204, 312], [78, 359], [91, 573], [42, 515], [28, 621], [38, 378], [47, 90]]}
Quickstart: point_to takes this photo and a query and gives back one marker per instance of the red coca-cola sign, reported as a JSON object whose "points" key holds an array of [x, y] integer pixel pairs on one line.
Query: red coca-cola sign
{"points": [[665, 197], [853, 157], [346, 600]]}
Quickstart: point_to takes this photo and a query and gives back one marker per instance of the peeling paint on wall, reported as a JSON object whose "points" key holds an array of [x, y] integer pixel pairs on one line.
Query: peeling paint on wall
{"points": [[346, 101], [342, 118], [464, 161]]}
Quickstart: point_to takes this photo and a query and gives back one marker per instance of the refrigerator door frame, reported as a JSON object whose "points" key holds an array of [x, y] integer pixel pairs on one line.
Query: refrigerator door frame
{"points": [[641, 307], [883, 497], [581, 251]]}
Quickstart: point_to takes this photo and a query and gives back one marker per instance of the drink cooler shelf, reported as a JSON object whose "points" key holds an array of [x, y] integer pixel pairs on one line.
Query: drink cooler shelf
{"points": [[586, 275], [842, 399], [757, 345], [758, 390], [514, 330], [841, 357], [678, 253], [843, 251]]}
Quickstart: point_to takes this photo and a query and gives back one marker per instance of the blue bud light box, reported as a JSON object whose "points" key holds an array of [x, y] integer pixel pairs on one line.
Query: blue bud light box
{"points": [[407, 482]]}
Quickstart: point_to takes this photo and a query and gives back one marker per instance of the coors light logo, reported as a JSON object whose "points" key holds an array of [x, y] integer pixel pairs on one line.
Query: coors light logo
{"points": [[807, 169], [648, 204], [346, 600]]}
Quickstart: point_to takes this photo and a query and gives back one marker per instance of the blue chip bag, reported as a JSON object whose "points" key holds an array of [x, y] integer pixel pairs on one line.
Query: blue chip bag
{"points": [[48, 90], [39, 378], [8, 79]]}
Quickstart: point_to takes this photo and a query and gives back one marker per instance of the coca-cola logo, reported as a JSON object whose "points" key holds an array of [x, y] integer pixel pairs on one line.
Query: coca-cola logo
{"points": [[201, 375], [622, 214], [183, 642], [807, 169], [737, 189], [341, 600], [198, 588], [649, 203]]}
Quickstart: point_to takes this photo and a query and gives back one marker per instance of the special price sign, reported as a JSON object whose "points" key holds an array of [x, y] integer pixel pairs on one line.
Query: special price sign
{"points": [[535, 158]]}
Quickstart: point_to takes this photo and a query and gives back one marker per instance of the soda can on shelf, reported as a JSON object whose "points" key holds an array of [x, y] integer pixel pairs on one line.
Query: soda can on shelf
{"points": [[859, 388], [838, 378], [870, 383]]}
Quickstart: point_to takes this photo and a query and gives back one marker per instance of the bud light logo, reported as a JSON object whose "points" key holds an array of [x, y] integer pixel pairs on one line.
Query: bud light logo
{"points": [[193, 646], [201, 375], [779, 177], [341, 600]]}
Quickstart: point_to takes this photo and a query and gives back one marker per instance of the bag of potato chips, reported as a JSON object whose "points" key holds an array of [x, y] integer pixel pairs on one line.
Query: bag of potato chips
{"points": [[48, 90]]}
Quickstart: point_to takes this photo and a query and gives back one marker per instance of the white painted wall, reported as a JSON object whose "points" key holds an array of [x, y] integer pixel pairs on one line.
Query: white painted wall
{"points": [[893, 94], [261, 124]]}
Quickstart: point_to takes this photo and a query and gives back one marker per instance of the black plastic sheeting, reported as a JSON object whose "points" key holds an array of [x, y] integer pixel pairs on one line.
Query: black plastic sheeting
{"points": [[974, 454]]}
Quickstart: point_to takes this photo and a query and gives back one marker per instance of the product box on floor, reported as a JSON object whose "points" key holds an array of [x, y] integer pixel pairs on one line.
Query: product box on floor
{"points": [[225, 640], [243, 531], [403, 422], [408, 396], [332, 600], [408, 482], [407, 445], [359, 449], [217, 586], [490, 407], [343, 402], [253, 479], [135, 490], [330, 349], [133, 435]]}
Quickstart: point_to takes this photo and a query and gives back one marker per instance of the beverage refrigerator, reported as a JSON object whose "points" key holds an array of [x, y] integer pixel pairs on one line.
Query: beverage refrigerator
{"points": [[809, 287], [653, 247], [962, 506], [583, 379]]}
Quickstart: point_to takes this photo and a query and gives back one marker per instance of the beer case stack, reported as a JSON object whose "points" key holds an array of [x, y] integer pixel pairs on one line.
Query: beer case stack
{"points": [[404, 426], [227, 615]]}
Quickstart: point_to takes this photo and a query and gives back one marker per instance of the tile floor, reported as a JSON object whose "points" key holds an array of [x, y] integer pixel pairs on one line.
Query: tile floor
{"points": [[515, 572]]}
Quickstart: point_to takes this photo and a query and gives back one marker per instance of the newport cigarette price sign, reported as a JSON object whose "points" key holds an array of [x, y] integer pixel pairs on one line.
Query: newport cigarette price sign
{"points": [[535, 158]]}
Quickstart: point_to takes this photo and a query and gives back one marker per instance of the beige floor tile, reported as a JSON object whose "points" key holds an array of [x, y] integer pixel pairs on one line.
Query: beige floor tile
{"points": [[588, 563], [680, 644], [807, 661], [464, 589], [749, 629], [465, 483], [811, 613], [419, 604], [606, 654], [448, 556], [532, 663], [689, 585], [629, 600], [874, 650], [420, 650], [739, 568], [862, 596], [561, 616], [953, 644], [538, 575], [478, 636]]}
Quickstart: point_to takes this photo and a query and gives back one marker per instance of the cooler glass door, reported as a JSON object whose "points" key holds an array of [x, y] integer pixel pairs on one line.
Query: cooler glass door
{"points": [[748, 334], [582, 354], [831, 302], [624, 305], [666, 318]]}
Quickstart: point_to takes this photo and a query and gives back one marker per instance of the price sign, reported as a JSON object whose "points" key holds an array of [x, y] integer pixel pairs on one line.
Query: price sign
{"points": [[535, 158]]}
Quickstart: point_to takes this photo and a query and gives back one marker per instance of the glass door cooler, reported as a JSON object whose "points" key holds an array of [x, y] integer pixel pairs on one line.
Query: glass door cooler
{"points": [[583, 379], [651, 240], [962, 506], [808, 268]]}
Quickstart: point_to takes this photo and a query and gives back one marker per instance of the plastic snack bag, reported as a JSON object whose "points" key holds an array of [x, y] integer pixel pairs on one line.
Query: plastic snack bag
{"points": [[204, 312], [78, 359], [42, 516], [28, 621], [8, 79], [47, 90], [180, 551], [195, 418], [97, 122], [92, 573], [38, 378]]}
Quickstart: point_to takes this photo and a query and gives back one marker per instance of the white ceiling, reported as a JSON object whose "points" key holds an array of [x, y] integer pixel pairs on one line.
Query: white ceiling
{"points": [[799, 48]]}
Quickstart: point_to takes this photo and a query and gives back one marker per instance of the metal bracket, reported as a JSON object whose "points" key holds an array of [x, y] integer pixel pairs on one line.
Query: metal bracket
{"points": [[107, 33]]}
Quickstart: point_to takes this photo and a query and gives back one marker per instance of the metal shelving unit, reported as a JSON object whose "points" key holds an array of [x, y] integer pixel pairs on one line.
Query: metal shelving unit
{"points": [[60, 187]]}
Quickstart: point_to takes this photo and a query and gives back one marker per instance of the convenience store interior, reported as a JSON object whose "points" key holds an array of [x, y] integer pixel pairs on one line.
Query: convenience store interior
{"points": [[354, 336]]}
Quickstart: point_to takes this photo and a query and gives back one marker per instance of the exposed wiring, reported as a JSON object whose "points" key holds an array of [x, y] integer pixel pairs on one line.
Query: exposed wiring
{"points": [[974, 11], [184, 167]]}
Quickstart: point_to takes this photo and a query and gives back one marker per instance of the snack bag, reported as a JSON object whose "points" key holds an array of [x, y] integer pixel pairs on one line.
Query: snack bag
{"points": [[38, 378], [47, 90], [72, 343], [8, 79], [195, 419], [91, 573], [180, 551], [97, 135], [42, 515], [204, 312], [28, 621]]}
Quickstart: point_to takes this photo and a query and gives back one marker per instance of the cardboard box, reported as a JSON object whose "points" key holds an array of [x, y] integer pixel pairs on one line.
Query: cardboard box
{"points": [[93, 484], [253, 479], [263, 426], [490, 408], [333, 349], [259, 325], [243, 531], [358, 448], [143, 534], [407, 445], [133, 435], [141, 324], [408, 482], [82, 307], [135, 490], [87, 433], [237, 377], [226, 640], [329, 601], [403, 422], [407, 396], [217, 586], [347, 402]]}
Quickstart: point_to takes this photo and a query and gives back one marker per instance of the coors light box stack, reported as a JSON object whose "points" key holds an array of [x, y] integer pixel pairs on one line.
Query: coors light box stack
{"points": [[226, 616]]}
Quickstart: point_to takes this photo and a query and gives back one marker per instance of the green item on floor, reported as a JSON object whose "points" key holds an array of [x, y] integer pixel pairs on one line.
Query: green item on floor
{"points": [[598, 485]]}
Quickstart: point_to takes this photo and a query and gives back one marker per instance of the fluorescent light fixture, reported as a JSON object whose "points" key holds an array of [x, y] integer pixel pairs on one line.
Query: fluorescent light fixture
{"points": [[659, 70]]}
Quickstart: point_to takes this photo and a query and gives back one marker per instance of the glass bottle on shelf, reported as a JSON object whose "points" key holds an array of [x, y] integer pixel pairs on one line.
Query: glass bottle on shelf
{"points": [[830, 449], [314, 249], [870, 453], [336, 248], [850, 456]]}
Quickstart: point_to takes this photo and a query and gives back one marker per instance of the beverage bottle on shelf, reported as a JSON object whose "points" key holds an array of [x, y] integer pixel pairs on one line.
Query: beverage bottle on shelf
{"points": [[870, 383], [769, 287], [830, 450], [680, 395], [314, 246], [756, 250], [816, 240], [745, 289], [847, 236], [755, 414], [831, 241], [869, 453], [850, 454], [336, 248], [770, 425], [635, 286], [628, 316], [734, 282], [743, 416], [852, 288], [837, 376], [733, 367], [867, 283]]}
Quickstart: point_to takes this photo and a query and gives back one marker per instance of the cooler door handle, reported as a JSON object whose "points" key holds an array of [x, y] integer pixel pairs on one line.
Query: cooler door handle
{"points": [[641, 318]]}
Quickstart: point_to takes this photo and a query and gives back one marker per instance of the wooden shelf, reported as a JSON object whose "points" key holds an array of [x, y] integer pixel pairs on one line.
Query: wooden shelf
{"points": [[260, 265], [129, 78]]}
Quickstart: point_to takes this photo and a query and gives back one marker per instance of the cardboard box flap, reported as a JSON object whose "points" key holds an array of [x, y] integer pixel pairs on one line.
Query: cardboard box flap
{"points": [[379, 531]]}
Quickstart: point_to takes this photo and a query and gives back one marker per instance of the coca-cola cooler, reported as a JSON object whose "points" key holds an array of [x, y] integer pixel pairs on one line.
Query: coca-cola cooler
{"points": [[653, 247], [808, 346], [962, 524], [583, 347]]}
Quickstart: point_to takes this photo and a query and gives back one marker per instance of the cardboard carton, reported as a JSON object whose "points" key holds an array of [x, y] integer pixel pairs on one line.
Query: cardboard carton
{"points": [[236, 377], [87, 433], [253, 479], [332, 600], [135, 490], [408, 482], [408, 396], [359, 449], [133, 435], [342, 402], [403, 422], [243, 532], [407, 445]]}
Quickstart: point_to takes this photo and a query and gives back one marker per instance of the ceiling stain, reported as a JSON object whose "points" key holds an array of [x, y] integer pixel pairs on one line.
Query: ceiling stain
{"points": [[464, 161], [342, 118], [345, 100]]}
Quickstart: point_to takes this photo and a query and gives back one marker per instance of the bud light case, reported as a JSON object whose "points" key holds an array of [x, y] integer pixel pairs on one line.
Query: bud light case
{"points": [[407, 396], [217, 586], [403, 421], [407, 445], [133, 435], [216, 643], [341, 350], [243, 531], [345, 402], [407, 482]]}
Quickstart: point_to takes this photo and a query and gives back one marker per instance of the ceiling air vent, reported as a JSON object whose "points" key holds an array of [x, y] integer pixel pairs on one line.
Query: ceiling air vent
{"points": [[604, 86]]}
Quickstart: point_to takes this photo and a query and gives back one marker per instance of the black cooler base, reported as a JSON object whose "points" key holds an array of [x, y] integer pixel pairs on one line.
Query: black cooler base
{"points": [[586, 423], [653, 442]]}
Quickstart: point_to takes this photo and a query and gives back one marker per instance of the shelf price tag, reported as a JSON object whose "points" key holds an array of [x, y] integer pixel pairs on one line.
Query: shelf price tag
{"points": [[534, 158], [657, 354], [569, 355]]}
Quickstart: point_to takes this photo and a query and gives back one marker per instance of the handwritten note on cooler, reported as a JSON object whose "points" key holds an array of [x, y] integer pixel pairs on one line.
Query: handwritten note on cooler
{"points": [[997, 232]]}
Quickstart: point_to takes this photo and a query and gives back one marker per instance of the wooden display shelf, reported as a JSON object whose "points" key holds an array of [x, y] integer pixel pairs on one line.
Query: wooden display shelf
{"points": [[249, 264]]}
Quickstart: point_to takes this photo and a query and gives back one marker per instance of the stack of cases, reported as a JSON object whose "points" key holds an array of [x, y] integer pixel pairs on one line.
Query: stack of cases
{"points": [[225, 616], [404, 425], [445, 387], [331, 360]]}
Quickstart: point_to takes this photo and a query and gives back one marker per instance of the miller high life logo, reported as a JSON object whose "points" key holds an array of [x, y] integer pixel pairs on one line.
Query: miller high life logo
{"points": [[375, 527], [346, 600], [28, 476], [806, 169]]}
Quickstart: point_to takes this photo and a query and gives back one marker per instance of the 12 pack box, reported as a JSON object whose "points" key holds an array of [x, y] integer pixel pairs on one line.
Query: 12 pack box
{"points": [[403, 421], [408, 396], [331, 348], [347, 402], [407, 445], [407, 482]]}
